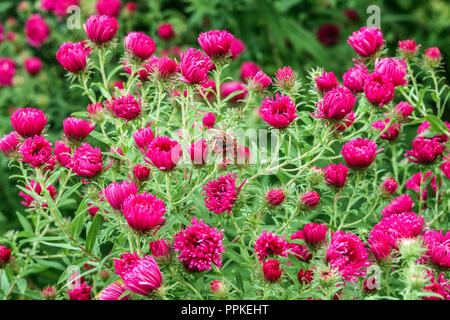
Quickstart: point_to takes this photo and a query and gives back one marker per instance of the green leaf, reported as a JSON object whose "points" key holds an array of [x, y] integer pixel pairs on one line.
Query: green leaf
{"points": [[93, 232], [77, 223], [437, 124], [24, 222]]}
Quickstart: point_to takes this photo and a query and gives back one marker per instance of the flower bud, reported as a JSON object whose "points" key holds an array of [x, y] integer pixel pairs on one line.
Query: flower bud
{"points": [[5, 256], [411, 249], [162, 251], [309, 200], [49, 293], [315, 175], [218, 289], [271, 270], [275, 197], [408, 48], [388, 187], [432, 57]]}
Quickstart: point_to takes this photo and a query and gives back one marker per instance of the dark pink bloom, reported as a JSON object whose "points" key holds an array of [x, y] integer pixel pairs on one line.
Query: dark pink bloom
{"points": [[200, 246], [101, 29], [143, 137], [9, 144], [86, 161], [141, 172], [116, 193], [359, 153], [231, 87], [299, 251], [28, 122], [439, 285], [249, 70], [402, 111], [36, 151], [33, 65], [48, 5], [389, 187], [37, 188], [305, 276], [391, 133], [144, 212], [36, 30], [236, 48], [144, 277], [163, 153], [326, 82], [125, 107], [269, 245], [5, 256], [438, 245], [348, 254], [425, 150], [278, 112], [433, 57], [355, 77], [271, 270], [72, 56], [335, 175], [108, 7], [217, 287], [139, 45], [310, 200], [379, 89], [392, 68], [286, 78], [259, 81], [366, 41], [79, 289], [198, 152], [95, 111], [131, 6], [162, 68], [221, 194], [314, 234], [445, 167], [336, 104], [77, 129], [126, 263], [328, 34], [275, 197], [416, 181], [114, 291], [166, 32], [7, 72], [61, 6], [408, 48], [195, 66], [216, 43], [62, 152], [161, 250], [209, 120]]}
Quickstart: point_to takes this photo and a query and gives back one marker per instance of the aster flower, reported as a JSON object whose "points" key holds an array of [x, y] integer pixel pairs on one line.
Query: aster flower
{"points": [[163, 153], [359, 153], [28, 122], [326, 82], [95, 112], [86, 161], [440, 285], [161, 250], [220, 195], [216, 43], [424, 150], [228, 88], [114, 291], [125, 107], [139, 45], [236, 48], [108, 7], [314, 233], [36, 151], [161, 69], [198, 152], [101, 29], [249, 70], [408, 48], [5, 256], [33, 65], [166, 32], [336, 104], [433, 57], [275, 197], [259, 81], [79, 289], [328, 34], [402, 111], [392, 68], [36, 30], [366, 41], [209, 120], [141, 172], [9, 144], [143, 137], [399, 205], [271, 270], [195, 66], [335, 175], [73, 57], [355, 78], [445, 167], [116, 193], [379, 89], [62, 153], [438, 245], [77, 129], [127, 262], [286, 78], [8, 70], [144, 212], [299, 251], [36, 188], [278, 112], [389, 187], [392, 131], [143, 277], [269, 245], [309, 200], [200, 246]]}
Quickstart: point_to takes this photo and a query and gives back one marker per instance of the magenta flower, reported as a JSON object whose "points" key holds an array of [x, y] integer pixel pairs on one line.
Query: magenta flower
{"points": [[393, 69], [95, 112], [445, 167], [336, 104], [5, 256], [162, 68], [236, 48], [86, 161], [79, 289], [198, 152], [278, 112], [391, 133], [439, 285], [216, 43], [269, 245], [33, 65], [139, 45], [161, 250], [163, 153], [275, 197], [37, 188], [286, 78], [379, 89], [416, 181], [389, 187], [166, 32], [271, 270], [209, 120], [228, 88], [9, 144], [299, 251], [249, 70], [36, 30], [141, 172], [335, 175], [126, 263], [60, 6], [125, 107], [195, 66], [355, 78], [144, 277], [259, 81], [433, 57], [310, 200], [221, 194], [116, 193], [408, 48], [402, 111], [101, 29], [7, 72], [200, 246], [62, 153], [113, 292], [108, 7], [326, 82], [28, 122], [144, 212], [314, 234], [438, 246], [36, 151], [143, 137], [366, 41], [424, 150], [72, 56], [328, 34], [359, 153], [77, 129]]}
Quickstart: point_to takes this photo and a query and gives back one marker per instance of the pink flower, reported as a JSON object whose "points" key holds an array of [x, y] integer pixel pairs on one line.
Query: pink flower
{"points": [[161, 250], [275, 197], [108, 7], [259, 81], [393, 69], [286, 78], [326, 82], [144, 277], [28, 122], [126, 263], [116, 193], [399, 205], [49, 293], [310, 200], [141, 172], [163, 153], [5, 256], [33, 65], [217, 287], [379, 89], [445, 167], [389, 187], [271, 270], [336, 175], [438, 246], [424, 150], [366, 41], [278, 112], [139, 45], [314, 234], [249, 70], [299, 251], [221, 194], [143, 137], [166, 32], [61, 6], [402, 111], [9, 144], [77, 129], [114, 291], [209, 120], [433, 57], [439, 285], [391, 133], [36, 188], [143, 212], [125, 107], [101, 29], [228, 88], [269, 245], [131, 7], [36, 30], [336, 104], [355, 77], [328, 34], [162, 68], [198, 152], [236, 48], [305, 276], [195, 66], [200, 246], [86, 161], [79, 289], [416, 181], [62, 152], [72, 56], [359, 153], [7, 72], [36, 151], [95, 112], [348, 254], [216, 43], [408, 48], [424, 129]]}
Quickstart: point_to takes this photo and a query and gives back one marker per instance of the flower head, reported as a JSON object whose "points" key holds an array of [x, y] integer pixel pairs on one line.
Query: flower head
{"points": [[259, 81], [236, 48], [408, 48], [231, 87], [366, 41], [86, 161], [209, 120], [144, 212], [79, 289], [113, 292], [163, 153], [216, 43], [336, 175], [355, 77], [379, 89], [108, 7], [438, 245], [389, 187], [198, 152], [359, 153], [309, 200], [326, 82], [249, 70], [143, 137], [278, 112], [36, 30], [77, 129], [116, 193], [195, 66], [275, 197], [433, 57], [166, 32], [424, 150], [139, 45], [28, 122], [299, 251], [161, 250], [286, 78], [328, 34], [62, 153], [7, 72], [5, 256], [271, 270], [393, 69], [143, 277], [269, 245], [141, 172], [72, 56], [101, 29], [36, 151], [314, 234], [336, 104], [402, 111], [221, 194], [125, 107], [9, 144], [33, 65]]}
